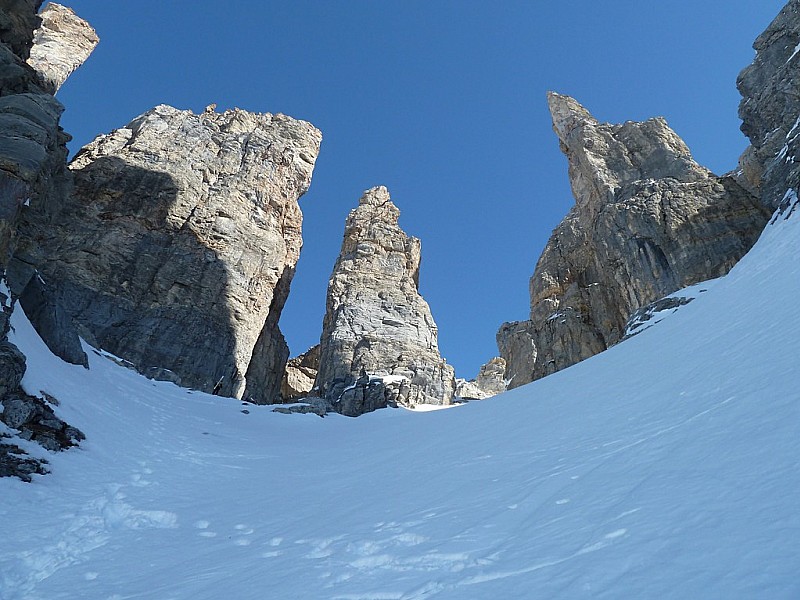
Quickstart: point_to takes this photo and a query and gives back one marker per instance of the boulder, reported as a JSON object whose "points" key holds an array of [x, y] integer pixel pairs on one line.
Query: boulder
{"points": [[300, 374]]}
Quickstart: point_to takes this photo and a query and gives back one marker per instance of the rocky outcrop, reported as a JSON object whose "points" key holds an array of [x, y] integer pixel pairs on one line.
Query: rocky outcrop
{"points": [[301, 372], [770, 111], [61, 44], [647, 220], [379, 341], [177, 246], [489, 382]]}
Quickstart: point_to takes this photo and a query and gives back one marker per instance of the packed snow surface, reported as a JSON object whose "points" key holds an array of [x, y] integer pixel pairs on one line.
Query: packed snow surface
{"points": [[666, 467]]}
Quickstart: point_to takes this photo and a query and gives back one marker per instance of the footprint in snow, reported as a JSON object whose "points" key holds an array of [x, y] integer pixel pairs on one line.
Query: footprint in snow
{"points": [[203, 525], [244, 529]]}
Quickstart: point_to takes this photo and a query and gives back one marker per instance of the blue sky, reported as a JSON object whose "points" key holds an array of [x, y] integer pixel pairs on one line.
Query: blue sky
{"points": [[443, 102]]}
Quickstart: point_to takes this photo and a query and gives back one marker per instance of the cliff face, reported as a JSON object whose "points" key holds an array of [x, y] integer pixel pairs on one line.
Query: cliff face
{"points": [[32, 171], [647, 220], [770, 111], [379, 341], [176, 248]]}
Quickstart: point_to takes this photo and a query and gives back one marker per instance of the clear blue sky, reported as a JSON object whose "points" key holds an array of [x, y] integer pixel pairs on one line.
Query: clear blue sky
{"points": [[441, 101]]}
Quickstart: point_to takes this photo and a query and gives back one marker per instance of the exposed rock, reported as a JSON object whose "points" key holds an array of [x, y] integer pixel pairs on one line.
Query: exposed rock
{"points": [[32, 146], [15, 462], [18, 19], [178, 245], [51, 321], [61, 44], [490, 381], [12, 368], [300, 374], [379, 341], [32, 171], [647, 221], [647, 316], [770, 110], [316, 406], [36, 421]]}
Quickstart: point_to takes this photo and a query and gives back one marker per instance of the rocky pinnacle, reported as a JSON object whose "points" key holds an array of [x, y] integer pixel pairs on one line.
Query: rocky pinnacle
{"points": [[61, 44], [647, 221], [379, 341]]}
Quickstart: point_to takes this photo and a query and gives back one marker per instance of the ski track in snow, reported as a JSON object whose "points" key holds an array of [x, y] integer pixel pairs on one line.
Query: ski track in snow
{"points": [[665, 467]]}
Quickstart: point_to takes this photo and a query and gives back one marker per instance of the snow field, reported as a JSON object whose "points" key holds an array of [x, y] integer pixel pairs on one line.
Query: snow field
{"points": [[665, 467]]}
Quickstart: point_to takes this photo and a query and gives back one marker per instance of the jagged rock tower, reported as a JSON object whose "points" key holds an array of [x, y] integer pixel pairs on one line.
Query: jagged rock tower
{"points": [[379, 341], [647, 221]]}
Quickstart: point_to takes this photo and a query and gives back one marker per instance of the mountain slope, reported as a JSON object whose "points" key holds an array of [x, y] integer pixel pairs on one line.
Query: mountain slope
{"points": [[665, 467]]}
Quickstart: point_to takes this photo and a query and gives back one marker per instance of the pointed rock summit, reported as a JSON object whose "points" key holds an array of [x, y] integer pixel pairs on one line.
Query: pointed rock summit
{"points": [[647, 221], [379, 341], [61, 44]]}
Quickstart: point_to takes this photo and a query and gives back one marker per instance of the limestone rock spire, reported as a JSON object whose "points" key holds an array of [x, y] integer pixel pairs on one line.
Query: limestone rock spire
{"points": [[379, 342], [647, 221]]}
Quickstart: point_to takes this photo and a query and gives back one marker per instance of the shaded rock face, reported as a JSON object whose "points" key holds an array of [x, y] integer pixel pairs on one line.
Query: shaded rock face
{"points": [[18, 20], [32, 145], [178, 244], [379, 341], [300, 374], [647, 220], [61, 44], [489, 382], [32, 171], [770, 110]]}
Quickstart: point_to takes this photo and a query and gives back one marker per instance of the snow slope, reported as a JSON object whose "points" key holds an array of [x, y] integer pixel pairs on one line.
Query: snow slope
{"points": [[666, 467]]}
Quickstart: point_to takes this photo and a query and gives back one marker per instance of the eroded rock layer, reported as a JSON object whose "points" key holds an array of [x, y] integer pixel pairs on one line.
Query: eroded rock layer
{"points": [[379, 341], [647, 220], [176, 249]]}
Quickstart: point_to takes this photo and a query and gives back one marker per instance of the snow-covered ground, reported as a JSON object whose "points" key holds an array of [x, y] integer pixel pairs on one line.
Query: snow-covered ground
{"points": [[667, 467]]}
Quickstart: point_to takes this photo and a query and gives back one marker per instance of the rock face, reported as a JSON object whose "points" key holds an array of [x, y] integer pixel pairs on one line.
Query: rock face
{"points": [[300, 374], [379, 341], [18, 19], [61, 44], [32, 171], [647, 220], [176, 248], [489, 382], [770, 110]]}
